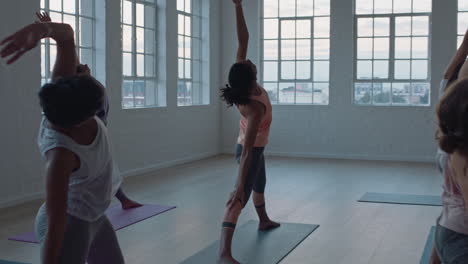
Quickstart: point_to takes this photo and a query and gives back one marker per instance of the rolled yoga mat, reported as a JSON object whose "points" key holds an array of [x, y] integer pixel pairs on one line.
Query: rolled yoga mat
{"points": [[428, 248], [396, 198], [258, 247], [118, 217]]}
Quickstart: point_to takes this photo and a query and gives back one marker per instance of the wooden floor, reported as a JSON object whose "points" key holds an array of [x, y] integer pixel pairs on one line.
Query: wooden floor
{"points": [[316, 191]]}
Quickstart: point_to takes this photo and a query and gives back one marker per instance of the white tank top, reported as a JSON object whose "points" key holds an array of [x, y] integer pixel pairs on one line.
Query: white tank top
{"points": [[93, 185]]}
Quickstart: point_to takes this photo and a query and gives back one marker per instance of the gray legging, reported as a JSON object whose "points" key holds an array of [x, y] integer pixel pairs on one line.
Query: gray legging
{"points": [[94, 242], [256, 176], [452, 247]]}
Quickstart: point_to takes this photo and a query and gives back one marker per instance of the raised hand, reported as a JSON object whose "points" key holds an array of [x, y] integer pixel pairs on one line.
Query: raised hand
{"points": [[43, 17], [22, 41], [237, 2]]}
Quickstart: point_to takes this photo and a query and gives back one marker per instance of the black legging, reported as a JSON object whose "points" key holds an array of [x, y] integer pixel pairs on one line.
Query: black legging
{"points": [[256, 176]]}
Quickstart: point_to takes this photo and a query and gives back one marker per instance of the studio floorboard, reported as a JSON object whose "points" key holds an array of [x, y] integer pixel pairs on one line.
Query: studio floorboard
{"points": [[315, 191]]}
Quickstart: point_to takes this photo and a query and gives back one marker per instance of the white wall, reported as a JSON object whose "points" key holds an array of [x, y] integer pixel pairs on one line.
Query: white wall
{"points": [[341, 129], [143, 139]]}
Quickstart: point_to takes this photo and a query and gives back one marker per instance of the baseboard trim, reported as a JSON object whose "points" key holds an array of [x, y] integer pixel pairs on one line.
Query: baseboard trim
{"points": [[38, 195]]}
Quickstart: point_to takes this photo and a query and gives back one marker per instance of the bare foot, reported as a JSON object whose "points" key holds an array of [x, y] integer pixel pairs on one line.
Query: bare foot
{"points": [[227, 260], [268, 225], [128, 204]]}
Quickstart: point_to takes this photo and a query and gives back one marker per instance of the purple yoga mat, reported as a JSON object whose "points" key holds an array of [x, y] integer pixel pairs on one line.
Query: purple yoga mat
{"points": [[118, 217]]}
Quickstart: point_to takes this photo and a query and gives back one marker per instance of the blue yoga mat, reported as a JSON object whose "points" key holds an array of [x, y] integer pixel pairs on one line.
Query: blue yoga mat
{"points": [[251, 246], [428, 248], [10, 262], [396, 198]]}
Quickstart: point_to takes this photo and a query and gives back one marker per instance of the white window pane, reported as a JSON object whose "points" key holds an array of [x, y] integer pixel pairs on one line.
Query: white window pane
{"points": [[55, 5], [381, 92], [381, 48], [188, 69], [321, 71], [86, 57], [127, 12], [56, 17], [150, 18], [322, 27], [305, 7], [149, 66], [139, 93], [288, 70], [322, 7], [70, 20], [140, 67], [42, 4], [86, 7], [362, 93], [43, 61], [380, 69], [303, 28], [401, 93], [320, 93], [287, 8], [364, 48], [304, 93], [272, 90], [462, 5], [401, 6], [420, 48], [127, 38], [459, 41], [422, 5], [188, 6], [181, 68], [364, 70], [127, 94], [149, 41], [420, 93], [188, 26], [365, 27], [287, 93], [181, 24], [69, 6], [127, 64], [303, 49], [188, 93], [403, 26], [402, 69], [382, 6], [270, 8], [321, 48], [188, 47], [180, 5], [364, 6], [270, 49], [270, 71], [181, 93], [462, 23], [52, 57], [303, 70], [181, 46], [140, 15], [86, 32], [150, 93], [140, 39], [402, 48], [420, 25], [270, 29], [288, 29], [382, 26], [288, 50], [419, 69]]}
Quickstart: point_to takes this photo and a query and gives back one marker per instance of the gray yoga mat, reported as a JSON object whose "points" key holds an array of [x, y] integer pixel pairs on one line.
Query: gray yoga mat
{"points": [[428, 248], [396, 198], [10, 262], [257, 247]]}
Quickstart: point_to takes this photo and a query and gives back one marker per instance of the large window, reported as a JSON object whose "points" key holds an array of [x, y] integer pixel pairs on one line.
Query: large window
{"points": [[296, 51], [189, 85], [462, 20], [392, 52], [139, 54], [80, 14]]}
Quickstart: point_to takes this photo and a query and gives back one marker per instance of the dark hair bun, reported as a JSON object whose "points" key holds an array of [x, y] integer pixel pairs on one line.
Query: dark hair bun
{"points": [[234, 97]]}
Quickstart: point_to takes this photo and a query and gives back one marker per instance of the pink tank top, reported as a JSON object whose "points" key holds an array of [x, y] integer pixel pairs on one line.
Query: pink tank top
{"points": [[264, 128], [454, 216]]}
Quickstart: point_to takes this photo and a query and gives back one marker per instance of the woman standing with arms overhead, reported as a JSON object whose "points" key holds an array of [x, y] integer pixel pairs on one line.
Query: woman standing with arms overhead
{"points": [[254, 107]]}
